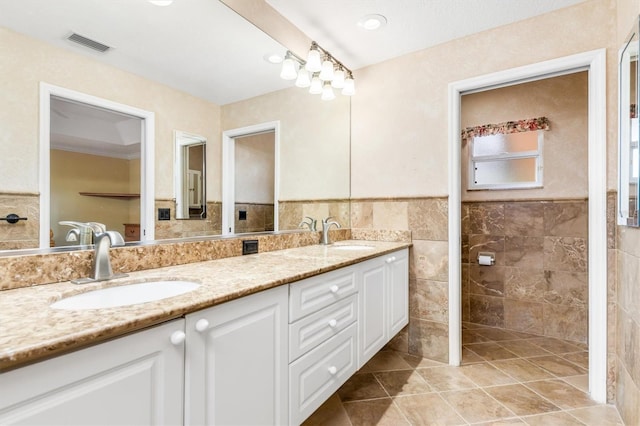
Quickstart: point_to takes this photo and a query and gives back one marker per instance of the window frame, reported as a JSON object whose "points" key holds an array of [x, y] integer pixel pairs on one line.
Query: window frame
{"points": [[507, 156]]}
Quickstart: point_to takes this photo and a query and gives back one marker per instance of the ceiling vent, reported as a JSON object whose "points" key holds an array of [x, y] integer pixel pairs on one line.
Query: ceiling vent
{"points": [[87, 42]]}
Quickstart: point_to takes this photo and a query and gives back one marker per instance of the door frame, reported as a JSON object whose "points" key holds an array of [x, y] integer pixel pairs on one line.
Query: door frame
{"points": [[228, 171], [147, 163], [595, 63]]}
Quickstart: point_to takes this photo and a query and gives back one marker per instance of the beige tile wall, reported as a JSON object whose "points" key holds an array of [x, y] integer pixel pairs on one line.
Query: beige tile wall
{"points": [[183, 228], [259, 217], [291, 213], [24, 233], [628, 325], [426, 218], [539, 282]]}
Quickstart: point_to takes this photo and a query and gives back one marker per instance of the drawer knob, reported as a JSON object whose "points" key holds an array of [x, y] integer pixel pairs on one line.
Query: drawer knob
{"points": [[202, 325], [391, 259], [177, 337], [332, 370], [334, 289], [333, 323]]}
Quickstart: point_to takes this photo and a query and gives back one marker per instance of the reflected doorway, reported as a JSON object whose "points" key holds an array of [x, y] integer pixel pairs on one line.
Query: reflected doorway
{"points": [[250, 179]]}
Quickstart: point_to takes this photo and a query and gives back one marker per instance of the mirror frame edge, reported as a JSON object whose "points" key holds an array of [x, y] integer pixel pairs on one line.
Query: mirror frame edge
{"points": [[147, 154]]}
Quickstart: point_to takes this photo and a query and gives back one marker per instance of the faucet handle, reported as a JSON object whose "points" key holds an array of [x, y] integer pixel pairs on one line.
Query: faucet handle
{"points": [[97, 227], [327, 219]]}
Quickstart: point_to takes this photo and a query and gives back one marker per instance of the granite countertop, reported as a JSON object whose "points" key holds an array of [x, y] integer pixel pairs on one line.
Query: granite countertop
{"points": [[31, 330]]}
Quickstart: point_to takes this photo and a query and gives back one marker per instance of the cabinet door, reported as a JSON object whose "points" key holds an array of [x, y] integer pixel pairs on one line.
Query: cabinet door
{"points": [[398, 288], [137, 379], [237, 362], [372, 321]]}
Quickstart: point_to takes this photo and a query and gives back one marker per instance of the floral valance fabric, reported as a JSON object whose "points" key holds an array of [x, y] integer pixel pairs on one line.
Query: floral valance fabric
{"points": [[531, 124]]}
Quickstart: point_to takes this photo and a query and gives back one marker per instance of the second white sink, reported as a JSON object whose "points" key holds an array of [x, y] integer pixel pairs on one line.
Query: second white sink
{"points": [[125, 295]]}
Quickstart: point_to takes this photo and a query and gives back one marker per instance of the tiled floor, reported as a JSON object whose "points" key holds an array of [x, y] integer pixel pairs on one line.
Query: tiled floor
{"points": [[507, 378]]}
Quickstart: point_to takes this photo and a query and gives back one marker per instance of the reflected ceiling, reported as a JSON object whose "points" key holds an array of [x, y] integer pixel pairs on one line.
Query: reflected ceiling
{"points": [[198, 46]]}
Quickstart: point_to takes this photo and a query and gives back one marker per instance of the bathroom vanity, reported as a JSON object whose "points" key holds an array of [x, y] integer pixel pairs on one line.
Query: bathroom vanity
{"points": [[263, 345]]}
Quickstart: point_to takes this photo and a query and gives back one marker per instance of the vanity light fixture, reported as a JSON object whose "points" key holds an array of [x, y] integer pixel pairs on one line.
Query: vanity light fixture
{"points": [[289, 68], [161, 2], [320, 76]]}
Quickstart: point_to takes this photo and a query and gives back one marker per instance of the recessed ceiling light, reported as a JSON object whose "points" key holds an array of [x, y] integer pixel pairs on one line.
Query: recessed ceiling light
{"points": [[372, 22], [161, 2], [273, 58]]}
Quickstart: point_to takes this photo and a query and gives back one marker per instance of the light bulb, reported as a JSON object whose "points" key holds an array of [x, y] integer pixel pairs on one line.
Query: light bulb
{"points": [[349, 86], [327, 92], [289, 69], [161, 2], [316, 85], [313, 61], [303, 79], [326, 73], [338, 79]]}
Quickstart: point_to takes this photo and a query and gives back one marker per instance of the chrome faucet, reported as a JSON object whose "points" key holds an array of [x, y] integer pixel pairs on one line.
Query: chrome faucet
{"points": [[101, 267], [312, 224], [326, 224]]}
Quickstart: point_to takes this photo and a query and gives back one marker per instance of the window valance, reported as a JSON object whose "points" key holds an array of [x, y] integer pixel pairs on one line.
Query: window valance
{"points": [[528, 125]]}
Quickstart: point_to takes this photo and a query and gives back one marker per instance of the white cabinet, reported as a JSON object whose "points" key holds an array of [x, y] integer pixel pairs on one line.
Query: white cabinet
{"points": [[383, 301], [136, 379], [236, 365], [323, 339]]}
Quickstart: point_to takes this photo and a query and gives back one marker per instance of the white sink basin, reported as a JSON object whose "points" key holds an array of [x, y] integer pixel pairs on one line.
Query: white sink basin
{"points": [[125, 295], [351, 247]]}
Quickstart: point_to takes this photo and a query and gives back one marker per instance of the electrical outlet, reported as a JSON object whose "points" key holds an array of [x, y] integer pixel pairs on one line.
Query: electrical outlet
{"points": [[249, 246], [242, 215], [164, 214]]}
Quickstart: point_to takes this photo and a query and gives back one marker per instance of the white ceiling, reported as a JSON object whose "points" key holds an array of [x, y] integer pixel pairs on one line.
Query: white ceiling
{"points": [[411, 24]]}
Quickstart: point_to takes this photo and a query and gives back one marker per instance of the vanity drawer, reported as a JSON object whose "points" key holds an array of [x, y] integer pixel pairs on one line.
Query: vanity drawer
{"points": [[318, 374], [310, 331], [312, 294]]}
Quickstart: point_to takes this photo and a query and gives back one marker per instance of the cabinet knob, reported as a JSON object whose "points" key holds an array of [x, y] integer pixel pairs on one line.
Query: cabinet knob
{"points": [[391, 259], [334, 289], [332, 370], [333, 323], [177, 337], [202, 325]]}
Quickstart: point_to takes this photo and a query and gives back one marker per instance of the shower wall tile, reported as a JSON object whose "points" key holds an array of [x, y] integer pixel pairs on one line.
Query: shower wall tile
{"points": [[566, 219], [524, 218], [486, 218], [524, 252], [491, 243], [567, 288], [541, 265], [566, 322], [565, 254], [524, 316], [486, 310], [525, 284], [487, 280]]}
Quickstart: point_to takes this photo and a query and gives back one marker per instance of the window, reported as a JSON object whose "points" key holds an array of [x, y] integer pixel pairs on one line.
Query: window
{"points": [[506, 161]]}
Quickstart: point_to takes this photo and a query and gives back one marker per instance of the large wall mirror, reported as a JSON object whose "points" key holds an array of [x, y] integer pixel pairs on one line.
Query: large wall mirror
{"points": [[232, 86], [629, 156]]}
